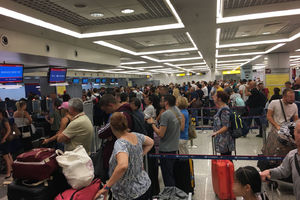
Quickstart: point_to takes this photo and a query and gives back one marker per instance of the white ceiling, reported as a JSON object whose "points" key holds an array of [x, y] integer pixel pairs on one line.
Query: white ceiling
{"points": [[156, 33]]}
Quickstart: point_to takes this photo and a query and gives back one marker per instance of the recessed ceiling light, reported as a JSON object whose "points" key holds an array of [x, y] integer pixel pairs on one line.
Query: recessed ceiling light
{"points": [[127, 11], [266, 33], [79, 5], [97, 14]]}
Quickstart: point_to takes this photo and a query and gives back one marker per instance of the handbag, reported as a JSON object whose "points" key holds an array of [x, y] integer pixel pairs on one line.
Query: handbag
{"points": [[25, 130], [14, 133], [77, 167], [286, 132], [192, 130], [87, 193], [197, 104]]}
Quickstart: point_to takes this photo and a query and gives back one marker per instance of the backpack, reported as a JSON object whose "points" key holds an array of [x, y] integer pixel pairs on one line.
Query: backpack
{"points": [[138, 124], [239, 101], [237, 127]]}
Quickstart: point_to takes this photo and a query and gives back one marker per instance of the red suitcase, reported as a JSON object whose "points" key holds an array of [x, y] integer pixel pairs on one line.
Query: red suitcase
{"points": [[222, 172], [37, 164]]}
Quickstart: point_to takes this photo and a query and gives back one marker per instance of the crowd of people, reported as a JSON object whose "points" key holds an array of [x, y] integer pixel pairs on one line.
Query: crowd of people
{"points": [[156, 119]]}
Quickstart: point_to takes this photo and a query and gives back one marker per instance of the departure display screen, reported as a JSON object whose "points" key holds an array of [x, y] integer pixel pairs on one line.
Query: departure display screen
{"points": [[11, 73], [97, 80], [85, 81], [76, 80], [57, 75]]}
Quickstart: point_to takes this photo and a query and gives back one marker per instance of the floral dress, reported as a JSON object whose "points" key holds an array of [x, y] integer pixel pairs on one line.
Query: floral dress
{"points": [[223, 142], [135, 182]]}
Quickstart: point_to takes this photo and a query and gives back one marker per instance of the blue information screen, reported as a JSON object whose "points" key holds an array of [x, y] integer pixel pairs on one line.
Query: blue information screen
{"points": [[11, 73], [76, 80], [97, 80], [103, 80], [57, 75], [112, 80], [85, 81]]}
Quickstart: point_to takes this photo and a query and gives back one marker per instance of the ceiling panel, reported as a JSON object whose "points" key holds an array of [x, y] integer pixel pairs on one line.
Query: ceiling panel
{"points": [[172, 40], [230, 4], [66, 11]]}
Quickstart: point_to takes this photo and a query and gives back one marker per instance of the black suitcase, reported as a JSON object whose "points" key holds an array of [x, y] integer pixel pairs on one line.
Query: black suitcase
{"points": [[18, 191], [184, 175]]}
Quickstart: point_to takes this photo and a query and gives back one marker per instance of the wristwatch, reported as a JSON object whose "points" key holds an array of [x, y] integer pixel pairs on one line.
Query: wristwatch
{"points": [[106, 187]]}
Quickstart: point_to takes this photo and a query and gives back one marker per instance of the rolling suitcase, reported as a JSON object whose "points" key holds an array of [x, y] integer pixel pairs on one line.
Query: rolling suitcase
{"points": [[43, 190], [36, 164], [18, 191], [222, 172]]}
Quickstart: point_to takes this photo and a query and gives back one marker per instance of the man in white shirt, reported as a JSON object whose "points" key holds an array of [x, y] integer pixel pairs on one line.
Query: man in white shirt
{"points": [[275, 114], [243, 90], [204, 89]]}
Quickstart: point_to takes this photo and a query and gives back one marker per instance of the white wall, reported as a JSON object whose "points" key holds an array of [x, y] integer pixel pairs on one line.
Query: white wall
{"points": [[172, 78]]}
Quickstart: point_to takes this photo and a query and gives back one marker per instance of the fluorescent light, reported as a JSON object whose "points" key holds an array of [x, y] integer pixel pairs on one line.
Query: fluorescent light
{"points": [[180, 59], [232, 61], [37, 22], [41, 23], [275, 47], [167, 51], [200, 54], [218, 37], [219, 9], [127, 11], [149, 67], [112, 46], [256, 57], [297, 50], [125, 67], [191, 39], [112, 69], [95, 14], [150, 58], [134, 63], [295, 56], [174, 12], [251, 43], [169, 64], [258, 16], [266, 33], [240, 54], [189, 64]]}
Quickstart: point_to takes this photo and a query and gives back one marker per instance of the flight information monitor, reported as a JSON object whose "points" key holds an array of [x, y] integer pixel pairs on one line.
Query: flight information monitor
{"points": [[76, 80], [10, 73], [85, 81], [57, 75]]}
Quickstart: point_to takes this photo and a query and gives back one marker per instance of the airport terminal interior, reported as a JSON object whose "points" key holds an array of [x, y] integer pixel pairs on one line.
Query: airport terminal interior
{"points": [[136, 49]]}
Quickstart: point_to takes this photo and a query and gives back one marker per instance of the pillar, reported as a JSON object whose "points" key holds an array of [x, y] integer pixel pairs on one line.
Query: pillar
{"points": [[246, 72], [277, 71]]}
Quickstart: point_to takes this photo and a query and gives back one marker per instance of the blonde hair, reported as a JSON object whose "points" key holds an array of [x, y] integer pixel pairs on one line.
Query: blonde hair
{"points": [[176, 93], [182, 103], [20, 104]]}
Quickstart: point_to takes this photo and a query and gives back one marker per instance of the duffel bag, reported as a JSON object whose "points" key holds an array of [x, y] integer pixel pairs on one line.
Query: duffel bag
{"points": [[87, 193], [36, 164]]}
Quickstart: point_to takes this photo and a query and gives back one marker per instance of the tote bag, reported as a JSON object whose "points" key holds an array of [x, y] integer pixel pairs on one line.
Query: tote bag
{"points": [[77, 167]]}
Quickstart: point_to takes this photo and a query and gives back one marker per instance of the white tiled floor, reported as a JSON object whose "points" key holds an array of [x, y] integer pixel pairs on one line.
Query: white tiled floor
{"points": [[204, 191]]}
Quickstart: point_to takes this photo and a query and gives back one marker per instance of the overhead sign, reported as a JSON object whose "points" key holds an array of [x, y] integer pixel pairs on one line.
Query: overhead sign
{"points": [[232, 72], [180, 74]]}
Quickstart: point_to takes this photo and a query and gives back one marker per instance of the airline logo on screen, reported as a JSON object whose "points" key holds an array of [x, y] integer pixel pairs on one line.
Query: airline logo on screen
{"points": [[57, 75], [11, 73]]}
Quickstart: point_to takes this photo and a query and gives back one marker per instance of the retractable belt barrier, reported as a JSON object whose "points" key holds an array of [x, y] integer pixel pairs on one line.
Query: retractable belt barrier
{"points": [[213, 157]]}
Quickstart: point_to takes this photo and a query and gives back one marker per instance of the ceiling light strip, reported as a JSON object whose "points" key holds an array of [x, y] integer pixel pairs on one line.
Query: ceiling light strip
{"points": [[167, 51], [112, 46], [134, 63], [231, 61], [189, 64], [254, 16], [37, 22], [173, 10], [240, 54], [252, 43]]}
